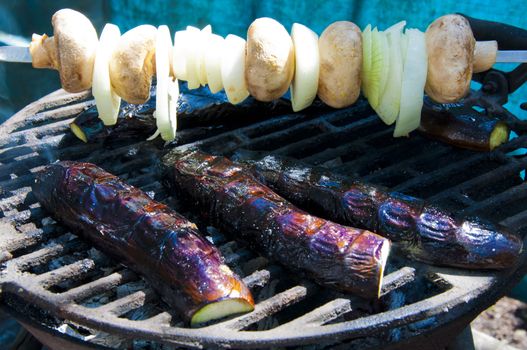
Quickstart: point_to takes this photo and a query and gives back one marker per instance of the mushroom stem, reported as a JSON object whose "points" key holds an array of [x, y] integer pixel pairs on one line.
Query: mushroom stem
{"points": [[484, 55], [43, 52]]}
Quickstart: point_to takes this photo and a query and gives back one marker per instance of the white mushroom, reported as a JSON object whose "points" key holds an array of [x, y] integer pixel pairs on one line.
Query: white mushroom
{"points": [[132, 64], [71, 50], [340, 47], [270, 59]]}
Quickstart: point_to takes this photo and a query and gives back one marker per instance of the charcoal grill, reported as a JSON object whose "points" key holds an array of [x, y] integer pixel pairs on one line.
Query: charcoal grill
{"points": [[50, 278], [417, 300]]}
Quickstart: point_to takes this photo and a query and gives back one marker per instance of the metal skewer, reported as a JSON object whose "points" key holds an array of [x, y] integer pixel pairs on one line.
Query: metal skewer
{"points": [[21, 54]]}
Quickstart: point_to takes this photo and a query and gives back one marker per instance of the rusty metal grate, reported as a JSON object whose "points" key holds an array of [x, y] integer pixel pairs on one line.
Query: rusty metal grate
{"points": [[50, 274]]}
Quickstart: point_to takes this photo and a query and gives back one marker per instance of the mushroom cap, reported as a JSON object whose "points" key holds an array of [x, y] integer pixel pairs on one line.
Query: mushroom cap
{"points": [[450, 46], [269, 59], [340, 48], [76, 44], [133, 63]]}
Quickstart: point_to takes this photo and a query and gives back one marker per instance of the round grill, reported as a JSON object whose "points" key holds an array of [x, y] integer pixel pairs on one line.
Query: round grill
{"points": [[51, 277]]}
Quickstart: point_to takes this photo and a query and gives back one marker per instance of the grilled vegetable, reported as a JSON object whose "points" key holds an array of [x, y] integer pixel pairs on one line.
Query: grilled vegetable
{"points": [[232, 199], [133, 122], [71, 50], [424, 232], [150, 238], [462, 126], [195, 108]]}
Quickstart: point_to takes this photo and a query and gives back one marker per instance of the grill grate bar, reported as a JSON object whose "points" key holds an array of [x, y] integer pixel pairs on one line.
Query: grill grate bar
{"points": [[397, 279], [296, 148], [321, 315], [408, 163], [515, 222], [258, 278], [464, 163], [163, 318], [98, 286], [270, 306], [502, 199], [74, 271], [127, 303], [45, 254], [486, 179]]}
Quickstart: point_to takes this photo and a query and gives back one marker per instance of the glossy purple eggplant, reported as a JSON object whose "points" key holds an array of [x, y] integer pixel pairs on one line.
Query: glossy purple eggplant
{"points": [[153, 240], [229, 197], [196, 109], [461, 126], [423, 231]]}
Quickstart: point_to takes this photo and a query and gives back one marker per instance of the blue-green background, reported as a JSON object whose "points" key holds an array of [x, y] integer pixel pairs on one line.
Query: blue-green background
{"points": [[19, 84]]}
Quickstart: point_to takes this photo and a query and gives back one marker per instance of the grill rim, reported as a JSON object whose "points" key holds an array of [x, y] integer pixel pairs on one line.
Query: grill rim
{"points": [[215, 335]]}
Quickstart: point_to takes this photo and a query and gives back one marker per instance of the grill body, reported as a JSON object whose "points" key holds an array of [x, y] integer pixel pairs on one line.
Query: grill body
{"points": [[51, 278]]}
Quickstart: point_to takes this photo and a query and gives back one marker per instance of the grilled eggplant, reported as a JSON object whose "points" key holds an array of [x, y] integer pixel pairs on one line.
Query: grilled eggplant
{"points": [[423, 231], [150, 238], [230, 198], [196, 108], [462, 126]]}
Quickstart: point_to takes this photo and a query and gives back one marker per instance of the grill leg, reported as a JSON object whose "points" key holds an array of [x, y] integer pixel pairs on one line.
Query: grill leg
{"points": [[464, 341]]}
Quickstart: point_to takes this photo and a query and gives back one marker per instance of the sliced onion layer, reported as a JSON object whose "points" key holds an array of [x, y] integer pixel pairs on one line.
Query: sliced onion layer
{"points": [[307, 64], [390, 99], [202, 48], [366, 59], [233, 69], [414, 79], [164, 114], [380, 65], [213, 54], [193, 52], [107, 101], [180, 53]]}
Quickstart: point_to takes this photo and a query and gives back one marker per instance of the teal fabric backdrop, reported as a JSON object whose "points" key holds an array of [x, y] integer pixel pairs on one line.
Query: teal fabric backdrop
{"points": [[20, 84]]}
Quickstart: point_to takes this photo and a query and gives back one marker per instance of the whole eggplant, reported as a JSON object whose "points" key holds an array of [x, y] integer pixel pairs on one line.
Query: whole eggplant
{"points": [[196, 108], [153, 240], [461, 126], [230, 198], [423, 231]]}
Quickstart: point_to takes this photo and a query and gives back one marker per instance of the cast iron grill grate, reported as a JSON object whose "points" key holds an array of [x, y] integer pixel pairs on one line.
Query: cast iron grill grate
{"points": [[51, 276]]}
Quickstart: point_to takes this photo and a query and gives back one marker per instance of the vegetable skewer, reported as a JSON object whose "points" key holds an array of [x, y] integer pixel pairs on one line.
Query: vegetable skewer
{"points": [[267, 68]]}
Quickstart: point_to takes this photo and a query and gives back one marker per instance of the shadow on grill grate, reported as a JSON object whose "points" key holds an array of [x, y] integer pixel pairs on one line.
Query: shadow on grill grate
{"points": [[72, 282]]}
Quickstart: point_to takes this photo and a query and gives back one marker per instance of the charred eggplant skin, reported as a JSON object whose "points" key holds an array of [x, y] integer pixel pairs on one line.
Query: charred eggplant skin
{"points": [[463, 127], [196, 108], [230, 198], [423, 231], [149, 237]]}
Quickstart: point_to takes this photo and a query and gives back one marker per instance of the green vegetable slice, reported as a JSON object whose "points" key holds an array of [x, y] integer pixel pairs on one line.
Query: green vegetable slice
{"points": [[366, 59]]}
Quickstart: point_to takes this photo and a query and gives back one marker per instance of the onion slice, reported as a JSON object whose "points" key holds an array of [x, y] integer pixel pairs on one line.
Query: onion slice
{"points": [[164, 88], [390, 99], [200, 56], [307, 65], [192, 55], [107, 101], [180, 53], [380, 64], [414, 79], [213, 54], [366, 59], [233, 69]]}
